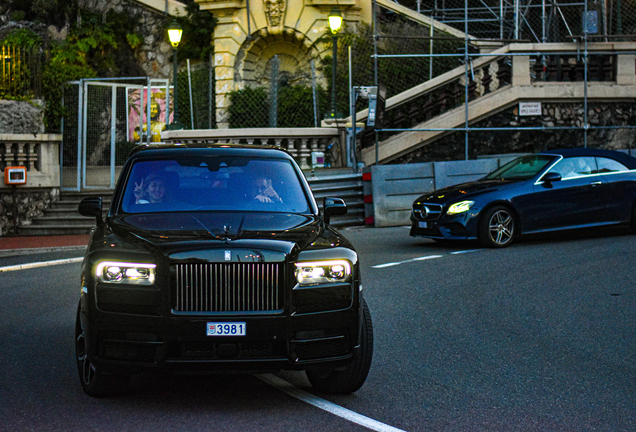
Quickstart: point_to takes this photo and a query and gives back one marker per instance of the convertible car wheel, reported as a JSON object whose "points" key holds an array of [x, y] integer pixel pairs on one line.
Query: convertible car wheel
{"points": [[94, 382], [497, 227], [353, 376]]}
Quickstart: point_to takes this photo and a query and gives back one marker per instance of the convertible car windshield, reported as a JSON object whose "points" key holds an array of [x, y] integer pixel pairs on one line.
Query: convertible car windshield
{"points": [[522, 168], [214, 183]]}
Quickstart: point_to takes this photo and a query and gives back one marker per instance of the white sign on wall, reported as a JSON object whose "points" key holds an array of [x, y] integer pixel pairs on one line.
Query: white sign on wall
{"points": [[529, 108]]}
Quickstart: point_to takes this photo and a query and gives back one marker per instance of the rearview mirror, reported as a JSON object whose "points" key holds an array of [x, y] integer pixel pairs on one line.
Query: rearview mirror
{"points": [[551, 177], [334, 207], [92, 206]]}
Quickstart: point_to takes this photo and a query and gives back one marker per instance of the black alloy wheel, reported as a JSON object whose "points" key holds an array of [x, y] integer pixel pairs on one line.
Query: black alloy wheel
{"points": [[497, 227], [351, 378], [94, 382]]}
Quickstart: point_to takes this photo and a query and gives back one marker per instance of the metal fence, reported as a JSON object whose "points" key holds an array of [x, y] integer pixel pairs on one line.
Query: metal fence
{"points": [[20, 71], [593, 123], [196, 95], [281, 104], [535, 21], [105, 119]]}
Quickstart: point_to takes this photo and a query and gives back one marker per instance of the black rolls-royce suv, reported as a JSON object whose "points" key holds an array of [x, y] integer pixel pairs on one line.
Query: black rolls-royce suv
{"points": [[217, 257]]}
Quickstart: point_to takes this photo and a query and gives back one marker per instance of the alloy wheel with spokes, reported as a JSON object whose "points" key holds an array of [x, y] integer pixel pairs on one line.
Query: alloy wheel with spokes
{"points": [[497, 227], [94, 382]]}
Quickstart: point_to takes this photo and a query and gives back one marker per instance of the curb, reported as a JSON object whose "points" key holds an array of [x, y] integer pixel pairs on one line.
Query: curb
{"points": [[31, 251]]}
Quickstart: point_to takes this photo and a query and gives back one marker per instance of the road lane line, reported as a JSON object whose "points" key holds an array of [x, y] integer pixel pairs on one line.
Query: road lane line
{"points": [[465, 251], [386, 265], [406, 261], [424, 258], [40, 264], [325, 405]]}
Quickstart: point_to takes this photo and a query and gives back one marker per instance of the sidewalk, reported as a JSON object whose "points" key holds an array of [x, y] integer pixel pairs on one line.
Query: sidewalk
{"points": [[36, 244]]}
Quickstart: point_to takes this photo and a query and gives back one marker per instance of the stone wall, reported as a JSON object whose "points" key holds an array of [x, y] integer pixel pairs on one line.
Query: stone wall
{"points": [[29, 203], [483, 143], [17, 117]]}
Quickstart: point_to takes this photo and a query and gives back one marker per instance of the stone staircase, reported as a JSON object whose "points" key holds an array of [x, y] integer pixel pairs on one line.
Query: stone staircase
{"points": [[63, 218]]}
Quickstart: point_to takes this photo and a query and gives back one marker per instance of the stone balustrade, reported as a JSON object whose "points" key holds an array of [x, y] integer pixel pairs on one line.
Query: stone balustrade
{"points": [[39, 153], [299, 142]]}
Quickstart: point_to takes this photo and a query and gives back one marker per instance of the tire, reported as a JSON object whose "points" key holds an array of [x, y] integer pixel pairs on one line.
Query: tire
{"points": [[632, 223], [94, 382], [497, 227], [353, 376]]}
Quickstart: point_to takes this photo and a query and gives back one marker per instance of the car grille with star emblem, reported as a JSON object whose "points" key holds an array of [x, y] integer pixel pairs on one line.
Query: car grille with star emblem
{"points": [[228, 287], [428, 212]]}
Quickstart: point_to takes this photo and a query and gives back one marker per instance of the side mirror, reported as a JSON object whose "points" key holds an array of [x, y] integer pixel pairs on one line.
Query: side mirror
{"points": [[551, 177], [334, 207], [92, 207]]}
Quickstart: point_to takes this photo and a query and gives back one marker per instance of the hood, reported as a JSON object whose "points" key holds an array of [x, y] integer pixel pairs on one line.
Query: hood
{"points": [[172, 232], [464, 190]]}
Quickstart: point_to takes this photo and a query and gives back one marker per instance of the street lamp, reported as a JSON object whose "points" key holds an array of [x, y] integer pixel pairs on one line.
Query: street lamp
{"points": [[174, 34], [335, 22]]}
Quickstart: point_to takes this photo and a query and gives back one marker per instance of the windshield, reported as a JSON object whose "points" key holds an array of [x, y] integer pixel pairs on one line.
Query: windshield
{"points": [[522, 168], [218, 183]]}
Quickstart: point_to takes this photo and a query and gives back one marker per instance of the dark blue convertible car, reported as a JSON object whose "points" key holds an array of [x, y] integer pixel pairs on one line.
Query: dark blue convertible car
{"points": [[553, 190]]}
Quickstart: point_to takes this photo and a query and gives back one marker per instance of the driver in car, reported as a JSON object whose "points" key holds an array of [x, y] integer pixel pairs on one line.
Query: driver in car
{"points": [[264, 192]]}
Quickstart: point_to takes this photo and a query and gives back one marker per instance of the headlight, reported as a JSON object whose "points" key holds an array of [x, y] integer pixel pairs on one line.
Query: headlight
{"points": [[125, 273], [317, 272], [460, 207]]}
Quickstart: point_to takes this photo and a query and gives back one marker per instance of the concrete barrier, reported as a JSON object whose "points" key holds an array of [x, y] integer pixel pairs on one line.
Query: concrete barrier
{"points": [[391, 189]]}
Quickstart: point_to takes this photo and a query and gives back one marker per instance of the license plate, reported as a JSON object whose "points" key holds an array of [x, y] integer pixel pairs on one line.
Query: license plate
{"points": [[225, 329], [425, 225]]}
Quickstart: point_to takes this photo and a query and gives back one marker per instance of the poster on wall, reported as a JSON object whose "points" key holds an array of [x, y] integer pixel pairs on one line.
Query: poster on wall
{"points": [[136, 112]]}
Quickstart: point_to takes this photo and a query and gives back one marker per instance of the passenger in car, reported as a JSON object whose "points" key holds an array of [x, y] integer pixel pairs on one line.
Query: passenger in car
{"points": [[151, 190]]}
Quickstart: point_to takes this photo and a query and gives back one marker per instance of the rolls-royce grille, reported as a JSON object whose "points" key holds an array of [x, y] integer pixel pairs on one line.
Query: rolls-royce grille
{"points": [[232, 287]]}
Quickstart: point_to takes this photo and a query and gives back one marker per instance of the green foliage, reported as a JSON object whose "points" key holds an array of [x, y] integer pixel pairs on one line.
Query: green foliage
{"points": [[67, 63], [134, 40], [296, 106], [23, 38], [18, 16], [249, 108], [198, 28]]}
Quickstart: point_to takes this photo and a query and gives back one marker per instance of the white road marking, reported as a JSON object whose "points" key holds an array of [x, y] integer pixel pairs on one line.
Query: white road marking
{"points": [[386, 265], [427, 257], [325, 405], [40, 264], [406, 261], [424, 258]]}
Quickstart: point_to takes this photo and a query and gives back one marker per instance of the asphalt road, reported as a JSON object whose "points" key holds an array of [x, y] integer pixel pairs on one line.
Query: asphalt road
{"points": [[540, 336]]}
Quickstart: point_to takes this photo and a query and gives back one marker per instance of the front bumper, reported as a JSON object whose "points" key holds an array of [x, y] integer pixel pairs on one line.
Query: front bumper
{"points": [[462, 226], [127, 343]]}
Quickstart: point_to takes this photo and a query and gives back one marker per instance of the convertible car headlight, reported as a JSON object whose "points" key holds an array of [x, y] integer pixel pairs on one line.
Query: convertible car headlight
{"points": [[125, 273], [460, 207], [317, 272]]}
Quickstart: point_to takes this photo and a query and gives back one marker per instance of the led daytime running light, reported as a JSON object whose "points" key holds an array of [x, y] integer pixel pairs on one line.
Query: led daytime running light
{"points": [[314, 272], [125, 272], [460, 207]]}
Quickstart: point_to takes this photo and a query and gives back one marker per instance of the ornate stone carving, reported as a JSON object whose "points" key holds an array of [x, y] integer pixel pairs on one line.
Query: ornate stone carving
{"points": [[275, 11]]}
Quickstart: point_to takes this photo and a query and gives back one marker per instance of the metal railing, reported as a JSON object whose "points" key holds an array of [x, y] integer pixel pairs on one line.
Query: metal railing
{"points": [[20, 71]]}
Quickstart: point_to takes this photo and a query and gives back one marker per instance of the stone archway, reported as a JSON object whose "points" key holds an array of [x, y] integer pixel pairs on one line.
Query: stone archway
{"points": [[295, 53]]}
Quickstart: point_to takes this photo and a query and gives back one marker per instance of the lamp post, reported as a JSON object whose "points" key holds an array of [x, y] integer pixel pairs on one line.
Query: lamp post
{"points": [[174, 34], [335, 22]]}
